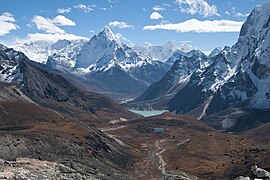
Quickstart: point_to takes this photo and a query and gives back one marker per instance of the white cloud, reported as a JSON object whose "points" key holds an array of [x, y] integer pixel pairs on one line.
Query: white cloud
{"points": [[53, 37], [161, 7], [46, 24], [7, 23], [121, 25], [103, 9], [241, 15], [63, 21], [166, 5], [43, 37], [187, 41], [51, 25], [158, 8], [238, 14], [113, 1], [197, 7], [63, 10], [18, 41], [156, 15], [194, 25], [85, 8]]}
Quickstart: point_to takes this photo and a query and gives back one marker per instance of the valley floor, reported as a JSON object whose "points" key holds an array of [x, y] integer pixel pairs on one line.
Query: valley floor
{"points": [[188, 149]]}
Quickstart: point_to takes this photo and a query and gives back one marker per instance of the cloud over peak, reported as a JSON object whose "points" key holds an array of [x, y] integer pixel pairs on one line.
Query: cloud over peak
{"points": [[194, 25], [156, 15], [63, 10], [158, 8], [51, 25], [121, 25], [7, 23], [85, 8], [52, 37], [197, 7]]}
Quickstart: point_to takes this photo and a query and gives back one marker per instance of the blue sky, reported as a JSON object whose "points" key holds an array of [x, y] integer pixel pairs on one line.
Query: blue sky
{"points": [[203, 23]]}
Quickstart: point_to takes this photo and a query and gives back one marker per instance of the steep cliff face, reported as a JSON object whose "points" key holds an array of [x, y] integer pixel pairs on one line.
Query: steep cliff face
{"points": [[238, 76], [175, 79], [9, 64], [249, 86], [50, 89]]}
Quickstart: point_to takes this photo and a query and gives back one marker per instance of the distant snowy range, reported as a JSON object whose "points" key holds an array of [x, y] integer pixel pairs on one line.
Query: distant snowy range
{"points": [[107, 62]]}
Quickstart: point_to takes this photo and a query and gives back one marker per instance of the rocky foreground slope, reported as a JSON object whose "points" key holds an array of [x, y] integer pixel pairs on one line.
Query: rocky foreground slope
{"points": [[24, 168], [48, 120], [44, 116], [28, 130]]}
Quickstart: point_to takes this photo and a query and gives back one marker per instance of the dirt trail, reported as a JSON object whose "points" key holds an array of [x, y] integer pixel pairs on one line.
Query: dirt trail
{"points": [[112, 129], [162, 163]]}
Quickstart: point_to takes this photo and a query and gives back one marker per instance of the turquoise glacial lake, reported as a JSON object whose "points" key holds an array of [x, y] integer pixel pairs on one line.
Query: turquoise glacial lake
{"points": [[148, 113]]}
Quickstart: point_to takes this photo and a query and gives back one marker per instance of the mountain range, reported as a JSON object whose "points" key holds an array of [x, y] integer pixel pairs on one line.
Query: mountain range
{"points": [[55, 113], [233, 78], [183, 80], [105, 62]]}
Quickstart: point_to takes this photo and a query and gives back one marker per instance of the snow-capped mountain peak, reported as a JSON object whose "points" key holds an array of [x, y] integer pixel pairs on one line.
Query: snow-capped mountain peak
{"points": [[112, 64], [238, 76], [158, 53], [2, 47], [215, 52], [169, 46], [9, 64], [60, 44], [100, 50], [35, 50], [63, 54], [106, 53], [107, 32], [185, 47]]}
